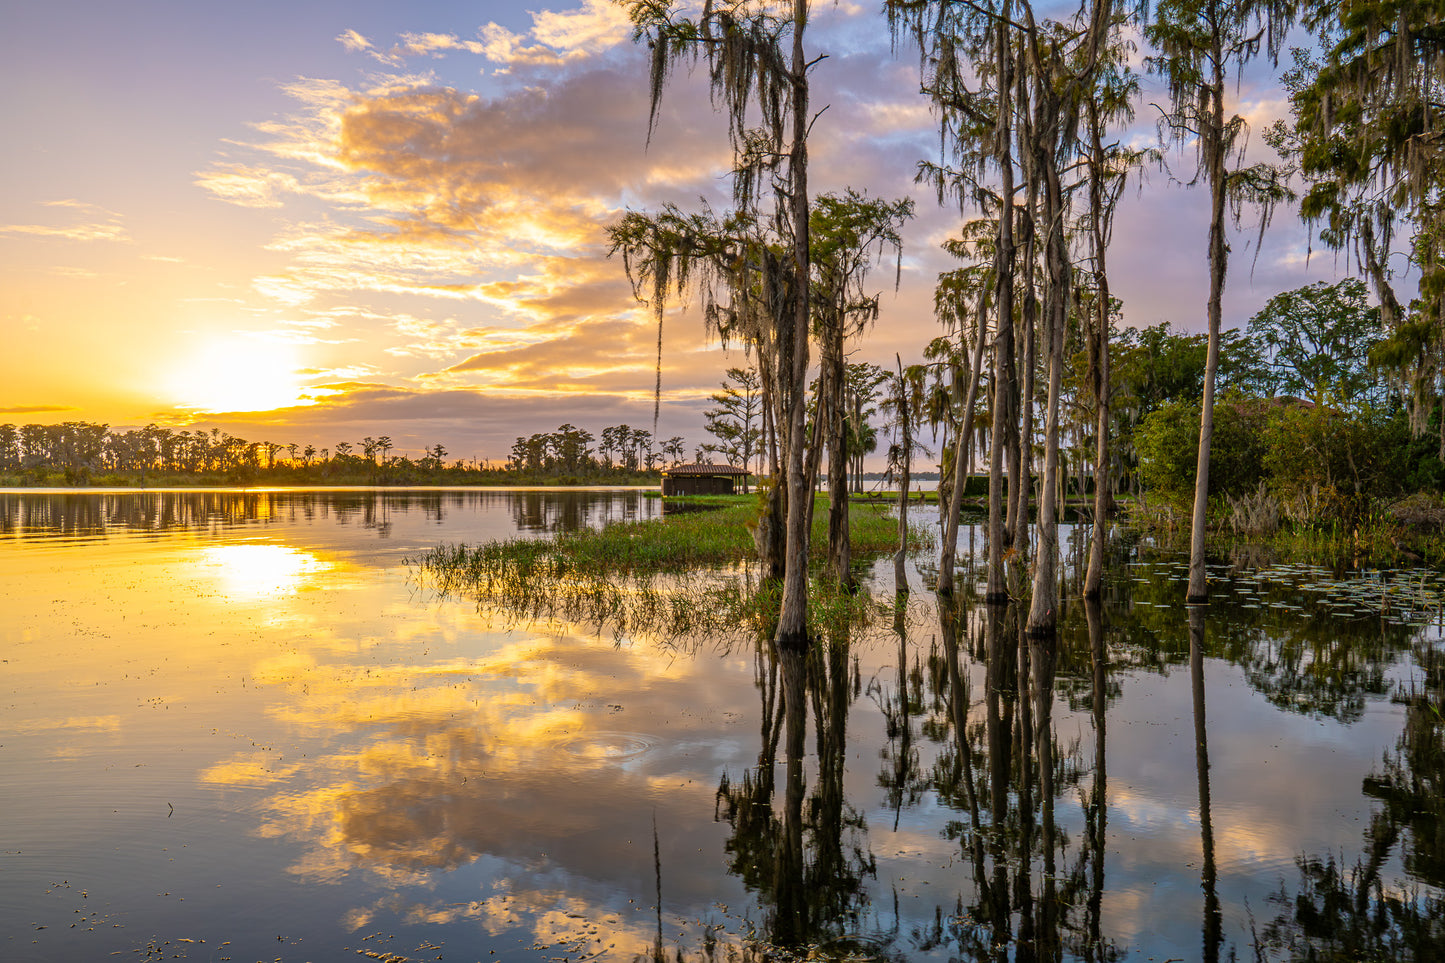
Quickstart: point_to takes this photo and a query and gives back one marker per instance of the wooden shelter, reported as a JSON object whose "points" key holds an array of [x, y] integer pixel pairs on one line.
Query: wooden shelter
{"points": [[703, 479]]}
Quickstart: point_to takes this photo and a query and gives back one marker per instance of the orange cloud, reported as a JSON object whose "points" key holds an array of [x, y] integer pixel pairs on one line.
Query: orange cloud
{"points": [[35, 409], [500, 203]]}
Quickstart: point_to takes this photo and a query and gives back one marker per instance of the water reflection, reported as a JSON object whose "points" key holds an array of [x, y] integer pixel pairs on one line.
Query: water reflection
{"points": [[1341, 912], [89, 515], [258, 571], [1246, 779], [808, 862], [1209, 877]]}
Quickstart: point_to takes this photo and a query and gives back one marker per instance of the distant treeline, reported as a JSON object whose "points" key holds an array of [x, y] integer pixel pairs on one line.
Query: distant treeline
{"points": [[79, 453]]}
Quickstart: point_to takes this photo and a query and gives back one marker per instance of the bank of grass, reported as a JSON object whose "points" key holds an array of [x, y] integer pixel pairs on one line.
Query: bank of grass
{"points": [[1382, 533], [683, 572]]}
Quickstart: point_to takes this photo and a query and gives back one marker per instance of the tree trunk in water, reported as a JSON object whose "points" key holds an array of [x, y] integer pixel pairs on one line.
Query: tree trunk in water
{"points": [[769, 538], [900, 573], [1003, 340], [793, 618], [1103, 485], [1218, 262], [1021, 450], [1043, 609], [839, 551], [1094, 577], [962, 453]]}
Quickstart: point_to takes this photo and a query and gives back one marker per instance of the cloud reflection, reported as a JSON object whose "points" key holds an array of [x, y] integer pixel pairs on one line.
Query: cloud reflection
{"points": [[526, 754]]}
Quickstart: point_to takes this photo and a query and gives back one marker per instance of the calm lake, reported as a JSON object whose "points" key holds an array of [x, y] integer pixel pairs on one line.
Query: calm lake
{"points": [[238, 726]]}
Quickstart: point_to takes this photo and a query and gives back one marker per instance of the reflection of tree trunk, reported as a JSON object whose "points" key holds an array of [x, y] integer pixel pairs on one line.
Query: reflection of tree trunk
{"points": [[958, 712], [830, 717], [1024, 751], [1044, 657], [659, 955], [1098, 808], [998, 729], [790, 924], [901, 768], [1213, 922], [766, 676]]}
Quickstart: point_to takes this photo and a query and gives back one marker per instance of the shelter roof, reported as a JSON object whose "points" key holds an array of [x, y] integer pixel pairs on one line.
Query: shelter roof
{"points": [[705, 469]]}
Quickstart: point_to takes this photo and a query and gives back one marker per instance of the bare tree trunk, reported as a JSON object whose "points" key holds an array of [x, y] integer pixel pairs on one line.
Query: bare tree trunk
{"points": [[858, 455], [1003, 341], [840, 558], [962, 453], [1094, 577], [770, 535], [1022, 472], [793, 617], [905, 425], [1043, 608], [1218, 262], [1021, 451]]}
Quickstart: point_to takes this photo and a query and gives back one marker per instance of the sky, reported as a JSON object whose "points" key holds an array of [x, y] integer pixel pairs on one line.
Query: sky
{"points": [[314, 222]]}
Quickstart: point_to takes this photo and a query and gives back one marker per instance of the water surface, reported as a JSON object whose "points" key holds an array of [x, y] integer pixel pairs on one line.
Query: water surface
{"points": [[234, 725]]}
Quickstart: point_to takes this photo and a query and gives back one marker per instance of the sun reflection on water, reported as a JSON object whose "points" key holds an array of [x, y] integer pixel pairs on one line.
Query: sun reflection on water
{"points": [[260, 571]]}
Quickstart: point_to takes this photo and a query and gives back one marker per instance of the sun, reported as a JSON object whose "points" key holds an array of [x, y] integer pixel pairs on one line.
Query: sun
{"points": [[238, 374]]}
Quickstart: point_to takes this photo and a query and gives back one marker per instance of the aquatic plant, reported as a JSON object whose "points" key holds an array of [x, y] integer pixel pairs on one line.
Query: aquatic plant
{"points": [[684, 572]]}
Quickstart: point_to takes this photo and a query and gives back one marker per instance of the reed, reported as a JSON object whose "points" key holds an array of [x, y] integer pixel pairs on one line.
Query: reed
{"points": [[1256, 514]]}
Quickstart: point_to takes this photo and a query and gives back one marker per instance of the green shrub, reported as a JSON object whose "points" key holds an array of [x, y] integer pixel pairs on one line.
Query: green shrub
{"points": [[1168, 445], [1339, 458]]}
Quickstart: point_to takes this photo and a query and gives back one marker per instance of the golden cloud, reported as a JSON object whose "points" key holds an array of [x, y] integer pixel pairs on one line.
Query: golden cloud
{"points": [[442, 193], [98, 224]]}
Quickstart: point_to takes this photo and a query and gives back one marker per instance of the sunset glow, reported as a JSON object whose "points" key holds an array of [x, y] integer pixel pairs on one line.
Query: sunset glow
{"points": [[238, 375], [393, 220]]}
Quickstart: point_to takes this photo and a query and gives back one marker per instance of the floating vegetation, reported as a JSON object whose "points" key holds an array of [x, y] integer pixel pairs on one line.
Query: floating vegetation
{"points": [[1404, 597]]}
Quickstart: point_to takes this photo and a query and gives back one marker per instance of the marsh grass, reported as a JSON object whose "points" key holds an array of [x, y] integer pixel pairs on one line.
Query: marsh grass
{"points": [[685, 572], [1318, 526]]}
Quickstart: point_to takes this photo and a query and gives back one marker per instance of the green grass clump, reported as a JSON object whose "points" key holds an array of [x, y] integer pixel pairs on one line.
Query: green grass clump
{"points": [[675, 574], [671, 545]]}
